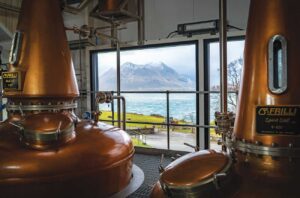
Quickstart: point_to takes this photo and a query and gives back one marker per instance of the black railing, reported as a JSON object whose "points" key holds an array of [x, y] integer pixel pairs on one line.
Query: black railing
{"points": [[168, 124]]}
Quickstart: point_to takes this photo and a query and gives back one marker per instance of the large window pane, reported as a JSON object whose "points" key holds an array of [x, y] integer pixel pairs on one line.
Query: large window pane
{"points": [[107, 74], [234, 69], [182, 112], [147, 75], [159, 69], [147, 107]]}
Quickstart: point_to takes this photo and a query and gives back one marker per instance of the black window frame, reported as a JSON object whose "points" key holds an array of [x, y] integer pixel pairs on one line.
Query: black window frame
{"points": [[94, 79], [206, 43]]}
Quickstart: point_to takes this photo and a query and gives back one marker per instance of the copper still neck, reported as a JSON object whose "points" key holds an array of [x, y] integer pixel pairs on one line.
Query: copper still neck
{"points": [[41, 85], [270, 82], [40, 54]]}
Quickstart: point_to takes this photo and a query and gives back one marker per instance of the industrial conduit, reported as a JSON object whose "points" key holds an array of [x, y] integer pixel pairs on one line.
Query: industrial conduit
{"points": [[76, 10], [86, 31], [105, 97]]}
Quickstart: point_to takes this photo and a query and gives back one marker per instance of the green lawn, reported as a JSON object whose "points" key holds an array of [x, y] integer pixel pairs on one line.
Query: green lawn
{"points": [[155, 119], [139, 143], [145, 118]]}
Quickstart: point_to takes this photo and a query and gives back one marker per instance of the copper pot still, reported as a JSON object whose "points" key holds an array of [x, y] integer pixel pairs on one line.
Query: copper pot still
{"points": [[264, 147], [45, 150]]}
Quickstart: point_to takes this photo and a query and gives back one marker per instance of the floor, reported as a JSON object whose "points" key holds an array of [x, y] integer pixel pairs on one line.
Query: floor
{"points": [[149, 164], [159, 140]]}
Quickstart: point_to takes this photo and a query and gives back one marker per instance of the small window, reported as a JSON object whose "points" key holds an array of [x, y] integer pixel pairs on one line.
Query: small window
{"points": [[277, 64]]}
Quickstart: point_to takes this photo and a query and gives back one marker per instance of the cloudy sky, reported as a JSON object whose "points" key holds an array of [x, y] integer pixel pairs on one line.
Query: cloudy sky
{"points": [[182, 58], [235, 50]]}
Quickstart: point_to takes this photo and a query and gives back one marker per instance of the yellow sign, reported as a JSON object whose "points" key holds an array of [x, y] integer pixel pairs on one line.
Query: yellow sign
{"points": [[12, 75], [11, 81]]}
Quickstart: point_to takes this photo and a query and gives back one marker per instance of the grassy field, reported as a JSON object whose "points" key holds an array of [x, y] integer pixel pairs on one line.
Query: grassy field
{"points": [[137, 142], [133, 117], [155, 119]]}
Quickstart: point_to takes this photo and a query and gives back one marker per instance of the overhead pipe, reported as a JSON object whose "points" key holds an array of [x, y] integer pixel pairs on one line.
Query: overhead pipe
{"points": [[86, 31], [76, 10], [117, 42], [107, 97], [8, 7]]}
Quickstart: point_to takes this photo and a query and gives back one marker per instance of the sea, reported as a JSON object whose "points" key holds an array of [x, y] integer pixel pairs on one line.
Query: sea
{"points": [[181, 106]]}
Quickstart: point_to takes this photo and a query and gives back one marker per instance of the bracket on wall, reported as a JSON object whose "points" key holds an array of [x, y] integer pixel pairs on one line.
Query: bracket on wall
{"points": [[117, 12]]}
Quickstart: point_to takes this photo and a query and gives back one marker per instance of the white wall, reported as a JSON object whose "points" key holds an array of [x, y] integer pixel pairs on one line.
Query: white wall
{"points": [[162, 16]]}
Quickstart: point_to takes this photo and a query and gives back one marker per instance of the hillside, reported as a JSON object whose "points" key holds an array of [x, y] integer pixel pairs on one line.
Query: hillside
{"points": [[151, 76]]}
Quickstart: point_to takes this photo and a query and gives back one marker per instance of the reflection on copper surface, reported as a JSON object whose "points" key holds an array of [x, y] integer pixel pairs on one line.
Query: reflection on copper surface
{"points": [[46, 151], [266, 158]]}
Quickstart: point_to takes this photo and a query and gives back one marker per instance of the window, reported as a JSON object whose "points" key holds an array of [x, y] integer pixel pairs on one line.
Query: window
{"points": [[235, 61], [277, 64], [160, 84]]}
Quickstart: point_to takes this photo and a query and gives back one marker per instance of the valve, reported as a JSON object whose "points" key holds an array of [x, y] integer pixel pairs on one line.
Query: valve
{"points": [[196, 148], [161, 169], [224, 123]]}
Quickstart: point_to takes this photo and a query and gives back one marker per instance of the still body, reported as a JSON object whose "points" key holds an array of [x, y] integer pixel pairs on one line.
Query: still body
{"points": [[45, 149], [264, 146]]}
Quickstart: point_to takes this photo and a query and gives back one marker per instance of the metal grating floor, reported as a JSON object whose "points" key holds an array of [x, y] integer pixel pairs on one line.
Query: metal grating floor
{"points": [[149, 164]]}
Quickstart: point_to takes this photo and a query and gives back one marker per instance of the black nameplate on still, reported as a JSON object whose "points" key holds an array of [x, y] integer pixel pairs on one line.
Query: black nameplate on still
{"points": [[278, 120], [11, 81]]}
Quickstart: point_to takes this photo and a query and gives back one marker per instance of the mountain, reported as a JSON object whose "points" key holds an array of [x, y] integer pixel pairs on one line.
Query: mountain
{"points": [[151, 77]]}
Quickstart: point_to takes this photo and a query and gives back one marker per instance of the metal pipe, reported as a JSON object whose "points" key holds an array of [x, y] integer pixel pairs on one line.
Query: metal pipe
{"points": [[107, 97], [123, 4], [112, 111], [223, 55], [172, 92], [117, 42], [79, 8], [8, 7], [1, 100], [123, 110], [113, 34], [168, 118], [129, 14], [159, 124], [119, 82], [141, 22], [99, 34]]}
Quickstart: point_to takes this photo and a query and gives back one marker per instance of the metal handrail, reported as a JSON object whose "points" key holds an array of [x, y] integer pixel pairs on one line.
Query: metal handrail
{"points": [[167, 123], [164, 124], [161, 92]]}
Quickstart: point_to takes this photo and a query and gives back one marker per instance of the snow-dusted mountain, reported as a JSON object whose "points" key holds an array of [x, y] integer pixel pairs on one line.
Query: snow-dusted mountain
{"points": [[151, 76]]}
